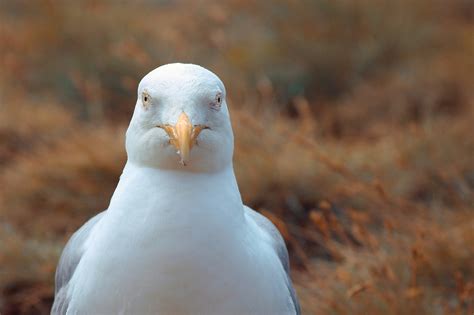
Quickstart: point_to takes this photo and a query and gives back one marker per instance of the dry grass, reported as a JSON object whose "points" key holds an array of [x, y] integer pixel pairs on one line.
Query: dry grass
{"points": [[368, 171]]}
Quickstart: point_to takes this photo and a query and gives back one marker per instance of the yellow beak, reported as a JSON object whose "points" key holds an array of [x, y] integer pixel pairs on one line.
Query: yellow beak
{"points": [[183, 136]]}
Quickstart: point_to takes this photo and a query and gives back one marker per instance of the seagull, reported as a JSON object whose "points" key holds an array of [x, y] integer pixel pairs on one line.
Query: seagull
{"points": [[176, 237]]}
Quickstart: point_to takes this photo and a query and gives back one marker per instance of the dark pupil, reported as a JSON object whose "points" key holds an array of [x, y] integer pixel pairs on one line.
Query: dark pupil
{"points": [[218, 99], [146, 99]]}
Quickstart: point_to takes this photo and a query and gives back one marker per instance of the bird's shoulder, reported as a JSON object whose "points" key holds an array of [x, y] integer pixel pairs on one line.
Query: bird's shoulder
{"points": [[70, 258], [279, 246], [272, 233]]}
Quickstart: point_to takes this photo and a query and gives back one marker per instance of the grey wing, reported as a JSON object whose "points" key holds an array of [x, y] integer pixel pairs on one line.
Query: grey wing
{"points": [[68, 262], [280, 248]]}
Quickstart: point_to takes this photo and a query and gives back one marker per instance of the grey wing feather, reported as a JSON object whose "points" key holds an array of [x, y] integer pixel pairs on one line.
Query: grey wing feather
{"points": [[68, 262], [280, 248]]}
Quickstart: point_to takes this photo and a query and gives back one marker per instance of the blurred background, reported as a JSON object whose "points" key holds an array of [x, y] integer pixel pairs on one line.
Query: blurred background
{"points": [[353, 119]]}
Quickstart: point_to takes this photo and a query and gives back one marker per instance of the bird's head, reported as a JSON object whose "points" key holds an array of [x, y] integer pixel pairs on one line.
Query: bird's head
{"points": [[181, 121]]}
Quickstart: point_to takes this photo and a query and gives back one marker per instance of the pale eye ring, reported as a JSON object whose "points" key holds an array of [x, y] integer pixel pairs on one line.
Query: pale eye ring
{"points": [[146, 99], [217, 103]]}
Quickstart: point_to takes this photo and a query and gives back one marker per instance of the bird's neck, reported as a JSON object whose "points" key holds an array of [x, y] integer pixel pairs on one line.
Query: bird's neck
{"points": [[167, 197]]}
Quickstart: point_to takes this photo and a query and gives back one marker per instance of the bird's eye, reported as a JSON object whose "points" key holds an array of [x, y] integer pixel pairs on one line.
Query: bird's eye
{"points": [[217, 103], [146, 100]]}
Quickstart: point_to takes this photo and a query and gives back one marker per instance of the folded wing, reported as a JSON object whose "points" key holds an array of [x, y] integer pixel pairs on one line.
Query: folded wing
{"points": [[280, 248], [70, 258]]}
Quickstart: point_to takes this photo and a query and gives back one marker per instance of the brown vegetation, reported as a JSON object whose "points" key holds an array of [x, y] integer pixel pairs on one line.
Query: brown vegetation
{"points": [[354, 124]]}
